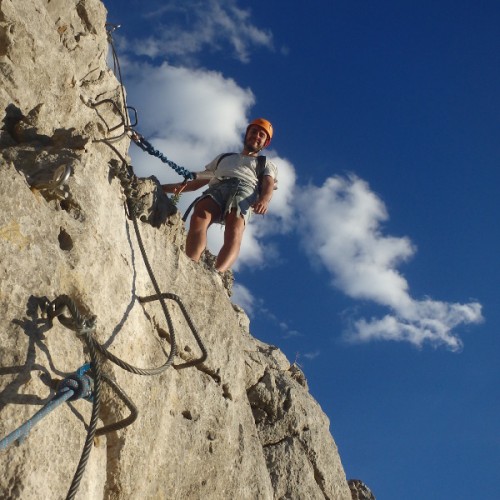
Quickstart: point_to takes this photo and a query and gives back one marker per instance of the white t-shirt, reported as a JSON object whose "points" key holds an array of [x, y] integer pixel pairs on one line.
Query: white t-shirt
{"points": [[239, 166]]}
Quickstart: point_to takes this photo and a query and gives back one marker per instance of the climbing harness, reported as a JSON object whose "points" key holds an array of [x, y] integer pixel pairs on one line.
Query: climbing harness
{"points": [[261, 165]]}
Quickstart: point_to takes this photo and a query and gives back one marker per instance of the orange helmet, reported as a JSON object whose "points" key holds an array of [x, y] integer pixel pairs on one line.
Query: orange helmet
{"points": [[264, 124]]}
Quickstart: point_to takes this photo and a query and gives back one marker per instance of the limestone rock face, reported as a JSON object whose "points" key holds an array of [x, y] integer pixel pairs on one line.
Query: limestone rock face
{"points": [[241, 424]]}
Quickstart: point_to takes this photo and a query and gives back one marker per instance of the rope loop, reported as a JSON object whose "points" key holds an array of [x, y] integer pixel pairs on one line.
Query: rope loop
{"points": [[77, 322], [80, 383]]}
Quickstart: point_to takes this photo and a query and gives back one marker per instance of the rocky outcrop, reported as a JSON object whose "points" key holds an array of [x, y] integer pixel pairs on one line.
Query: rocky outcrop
{"points": [[359, 490], [240, 424]]}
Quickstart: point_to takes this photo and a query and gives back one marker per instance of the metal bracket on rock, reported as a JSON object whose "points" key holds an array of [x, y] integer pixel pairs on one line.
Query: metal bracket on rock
{"points": [[56, 186]]}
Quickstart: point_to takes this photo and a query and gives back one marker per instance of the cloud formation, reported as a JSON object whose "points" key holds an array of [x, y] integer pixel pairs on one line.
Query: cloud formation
{"points": [[341, 227], [196, 113], [186, 29], [244, 298]]}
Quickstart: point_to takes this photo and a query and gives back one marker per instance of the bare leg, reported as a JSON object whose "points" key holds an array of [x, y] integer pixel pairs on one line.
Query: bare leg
{"points": [[233, 234], [205, 212]]}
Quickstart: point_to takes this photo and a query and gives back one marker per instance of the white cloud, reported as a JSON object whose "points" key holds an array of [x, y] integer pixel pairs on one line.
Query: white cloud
{"points": [[311, 355], [192, 114], [342, 220], [244, 298], [281, 211], [186, 29], [341, 227], [432, 322]]}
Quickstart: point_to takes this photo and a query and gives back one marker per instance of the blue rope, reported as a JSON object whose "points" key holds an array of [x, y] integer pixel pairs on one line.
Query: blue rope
{"points": [[76, 386], [148, 147]]}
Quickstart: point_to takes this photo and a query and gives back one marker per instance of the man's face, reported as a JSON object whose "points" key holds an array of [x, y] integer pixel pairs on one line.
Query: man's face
{"points": [[255, 139]]}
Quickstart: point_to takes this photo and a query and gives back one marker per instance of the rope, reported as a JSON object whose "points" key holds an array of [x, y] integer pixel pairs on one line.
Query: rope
{"points": [[89, 441], [148, 147], [129, 184], [85, 327], [136, 137], [73, 387], [152, 277], [110, 28]]}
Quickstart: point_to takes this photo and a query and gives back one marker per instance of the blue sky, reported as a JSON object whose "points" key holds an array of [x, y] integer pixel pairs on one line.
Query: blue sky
{"points": [[377, 269]]}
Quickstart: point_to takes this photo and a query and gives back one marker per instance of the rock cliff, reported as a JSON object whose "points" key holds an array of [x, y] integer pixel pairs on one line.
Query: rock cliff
{"points": [[238, 423]]}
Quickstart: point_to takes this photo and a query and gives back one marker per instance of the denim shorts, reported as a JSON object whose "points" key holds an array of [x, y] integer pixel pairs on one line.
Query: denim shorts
{"points": [[233, 193]]}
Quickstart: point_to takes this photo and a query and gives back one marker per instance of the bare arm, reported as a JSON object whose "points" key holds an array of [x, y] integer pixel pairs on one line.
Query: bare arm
{"points": [[266, 193], [190, 186]]}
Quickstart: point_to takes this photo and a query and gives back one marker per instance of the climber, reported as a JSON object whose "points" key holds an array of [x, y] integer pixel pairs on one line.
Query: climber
{"points": [[237, 184]]}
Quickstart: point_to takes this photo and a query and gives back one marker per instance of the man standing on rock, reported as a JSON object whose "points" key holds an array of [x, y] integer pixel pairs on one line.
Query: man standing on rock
{"points": [[238, 183]]}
